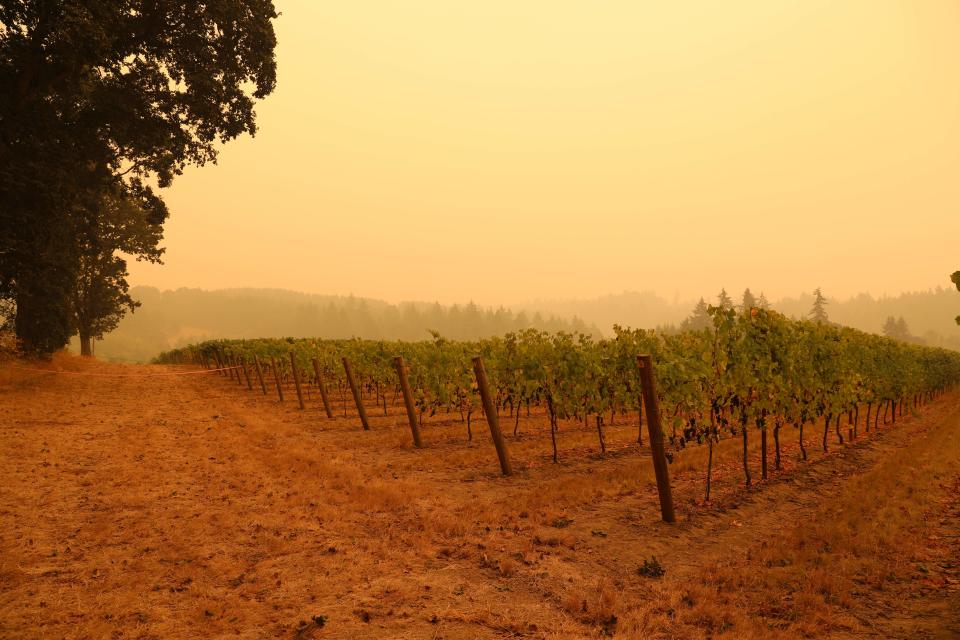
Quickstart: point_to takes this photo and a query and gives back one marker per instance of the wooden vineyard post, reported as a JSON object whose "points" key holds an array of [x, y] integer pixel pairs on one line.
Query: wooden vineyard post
{"points": [[276, 376], [408, 400], [356, 394], [236, 369], [654, 430], [246, 373], [492, 419], [259, 369], [227, 371], [296, 379], [323, 388]]}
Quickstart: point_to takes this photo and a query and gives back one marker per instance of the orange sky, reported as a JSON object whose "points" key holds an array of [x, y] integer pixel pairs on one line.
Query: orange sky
{"points": [[504, 151]]}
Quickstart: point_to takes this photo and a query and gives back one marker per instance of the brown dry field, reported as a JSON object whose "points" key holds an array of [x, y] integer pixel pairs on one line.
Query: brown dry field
{"points": [[189, 507]]}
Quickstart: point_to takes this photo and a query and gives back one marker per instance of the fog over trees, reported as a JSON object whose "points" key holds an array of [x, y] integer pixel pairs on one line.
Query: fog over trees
{"points": [[167, 319]]}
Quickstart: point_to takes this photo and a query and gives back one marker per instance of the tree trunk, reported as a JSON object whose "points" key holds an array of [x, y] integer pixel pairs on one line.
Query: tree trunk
{"points": [[553, 426], [746, 467], [86, 345], [44, 320], [603, 443], [826, 429], [867, 423], [763, 452], [709, 464], [776, 446], [836, 426], [803, 451]]}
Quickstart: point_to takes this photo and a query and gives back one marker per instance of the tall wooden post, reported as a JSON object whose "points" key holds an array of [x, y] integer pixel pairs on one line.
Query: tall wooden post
{"points": [[296, 379], [236, 369], [655, 431], [259, 370], [276, 377], [356, 394], [493, 421], [231, 367], [323, 387], [246, 373], [408, 400], [226, 363]]}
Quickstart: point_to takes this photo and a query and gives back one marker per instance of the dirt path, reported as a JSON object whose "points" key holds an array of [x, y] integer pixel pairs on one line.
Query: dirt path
{"points": [[188, 507]]}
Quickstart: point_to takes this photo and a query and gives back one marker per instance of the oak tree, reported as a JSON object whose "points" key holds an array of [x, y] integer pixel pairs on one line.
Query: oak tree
{"points": [[94, 95]]}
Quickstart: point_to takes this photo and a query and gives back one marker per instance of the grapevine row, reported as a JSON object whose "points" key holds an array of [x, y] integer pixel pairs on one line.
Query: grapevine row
{"points": [[749, 372]]}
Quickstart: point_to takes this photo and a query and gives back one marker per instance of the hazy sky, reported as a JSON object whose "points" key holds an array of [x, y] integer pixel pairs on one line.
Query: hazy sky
{"points": [[507, 150]]}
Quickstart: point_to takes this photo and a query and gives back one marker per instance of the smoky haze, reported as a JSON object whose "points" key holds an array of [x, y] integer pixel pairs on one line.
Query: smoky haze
{"points": [[501, 152], [169, 319]]}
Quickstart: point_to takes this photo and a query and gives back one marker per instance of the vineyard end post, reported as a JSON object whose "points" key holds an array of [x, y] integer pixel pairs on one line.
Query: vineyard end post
{"points": [[408, 400], [492, 420], [276, 376], [655, 432], [323, 387], [246, 372], [356, 394], [296, 378], [236, 368], [256, 364]]}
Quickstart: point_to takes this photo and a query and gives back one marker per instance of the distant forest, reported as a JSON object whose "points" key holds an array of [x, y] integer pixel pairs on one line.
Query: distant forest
{"points": [[169, 319], [923, 317]]}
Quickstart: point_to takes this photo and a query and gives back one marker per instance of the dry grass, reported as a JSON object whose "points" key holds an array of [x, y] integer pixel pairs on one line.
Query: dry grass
{"points": [[189, 507], [826, 574]]}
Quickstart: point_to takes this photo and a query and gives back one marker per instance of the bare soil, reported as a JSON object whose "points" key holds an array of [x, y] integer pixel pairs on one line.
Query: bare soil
{"points": [[137, 505]]}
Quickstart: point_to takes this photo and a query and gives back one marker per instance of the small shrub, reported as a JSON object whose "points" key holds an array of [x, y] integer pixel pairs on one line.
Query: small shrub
{"points": [[651, 568]]}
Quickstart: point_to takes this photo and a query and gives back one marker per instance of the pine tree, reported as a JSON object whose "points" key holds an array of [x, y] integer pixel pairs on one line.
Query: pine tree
{"points": [[699, 319], [762, 301], [819, 311], [749, 302], [723, 300], [890, 327], [903, 329], [897, 329]]}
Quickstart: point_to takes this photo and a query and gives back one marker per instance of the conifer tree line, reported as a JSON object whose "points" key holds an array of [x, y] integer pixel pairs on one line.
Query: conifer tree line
{"points": [[701, 319], [101, 103], [893, 327]]}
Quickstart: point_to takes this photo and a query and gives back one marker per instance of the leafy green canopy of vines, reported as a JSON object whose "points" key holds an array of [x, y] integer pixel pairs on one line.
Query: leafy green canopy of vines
{"points": [[743, 369]]}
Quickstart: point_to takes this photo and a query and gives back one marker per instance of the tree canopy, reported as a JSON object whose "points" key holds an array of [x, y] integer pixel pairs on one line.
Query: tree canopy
{"points": [[955, 279], [100, 96]]}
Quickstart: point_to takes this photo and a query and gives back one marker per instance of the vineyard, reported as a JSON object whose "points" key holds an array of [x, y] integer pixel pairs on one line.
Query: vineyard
{"points": [[750, 374]]}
